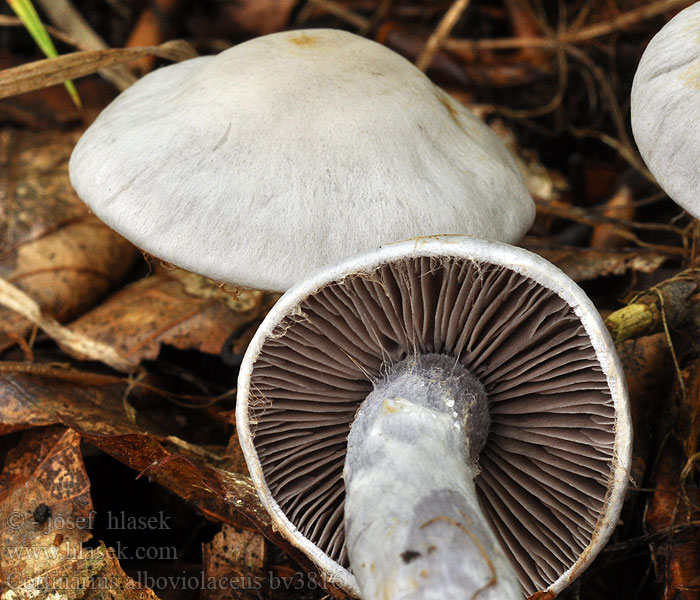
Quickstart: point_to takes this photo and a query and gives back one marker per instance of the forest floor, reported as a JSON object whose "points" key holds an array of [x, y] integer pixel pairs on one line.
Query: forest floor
{"points": [[118, 372]]}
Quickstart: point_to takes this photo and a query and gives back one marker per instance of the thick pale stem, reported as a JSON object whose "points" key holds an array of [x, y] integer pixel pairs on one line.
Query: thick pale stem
{"points": [[413, 526]]}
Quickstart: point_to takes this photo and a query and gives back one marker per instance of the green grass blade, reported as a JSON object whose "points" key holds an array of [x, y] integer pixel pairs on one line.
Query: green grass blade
{"points": [[24, 9]]}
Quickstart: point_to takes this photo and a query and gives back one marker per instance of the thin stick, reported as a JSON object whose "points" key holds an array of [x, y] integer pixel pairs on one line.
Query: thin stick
{"points": [[64, 372], [625, 20], [16, 300], [50, 71], [338, 10], [441, 32], [622, 21], [580, 215], [9, 21], [378, 15], [669, 341]]}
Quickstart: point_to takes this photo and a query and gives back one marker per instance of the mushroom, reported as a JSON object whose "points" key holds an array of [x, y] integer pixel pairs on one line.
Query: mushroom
{"points": [[665, 102], [444, 417], [293, 150]]}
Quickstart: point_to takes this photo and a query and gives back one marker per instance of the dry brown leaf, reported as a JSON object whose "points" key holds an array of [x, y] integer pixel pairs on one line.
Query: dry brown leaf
{"points": [[47, 513], [99, 415], [32, 401], [36, 195], [45, 507], [585, 264], [235, 556], [18, 302], [177, 308], [52, 71], [51, 248], [45, 504]]}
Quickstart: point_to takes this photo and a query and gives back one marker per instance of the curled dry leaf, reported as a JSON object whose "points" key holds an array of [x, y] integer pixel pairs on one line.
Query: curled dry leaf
{"points": [[32, 401], [17, 301], [51, 248], [177, 308]]}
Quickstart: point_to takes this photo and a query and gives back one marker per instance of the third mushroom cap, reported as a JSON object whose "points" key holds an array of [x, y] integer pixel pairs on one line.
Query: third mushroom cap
{"points": [[665, 101]]}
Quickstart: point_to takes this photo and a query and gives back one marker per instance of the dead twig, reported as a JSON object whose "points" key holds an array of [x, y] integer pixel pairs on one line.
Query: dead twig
{"points": [[51, 71], [19, 302], [337, 10], [611, 101], [670, 304], [443, 29], [64, 372], [64, 15], [581, 215], [621, 22], [9, 21], [619, 227]]}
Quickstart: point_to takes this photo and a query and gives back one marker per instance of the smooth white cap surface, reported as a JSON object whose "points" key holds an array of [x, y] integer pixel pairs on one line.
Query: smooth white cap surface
{"points": [[666, 105], [291, 151]]}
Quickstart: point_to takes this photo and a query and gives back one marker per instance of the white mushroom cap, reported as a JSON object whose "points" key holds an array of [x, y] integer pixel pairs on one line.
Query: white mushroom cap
{"points": [[665, 107], [291, 151], [556, 464]]}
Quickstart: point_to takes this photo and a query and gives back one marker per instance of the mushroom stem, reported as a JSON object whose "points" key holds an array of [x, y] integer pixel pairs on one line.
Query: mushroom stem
{"points": [[413, 525]]}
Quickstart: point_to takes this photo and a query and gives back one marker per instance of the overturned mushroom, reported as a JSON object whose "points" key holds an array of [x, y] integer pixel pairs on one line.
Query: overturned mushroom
{"points": [[291, 151], [665, 103], [439, 418]]}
